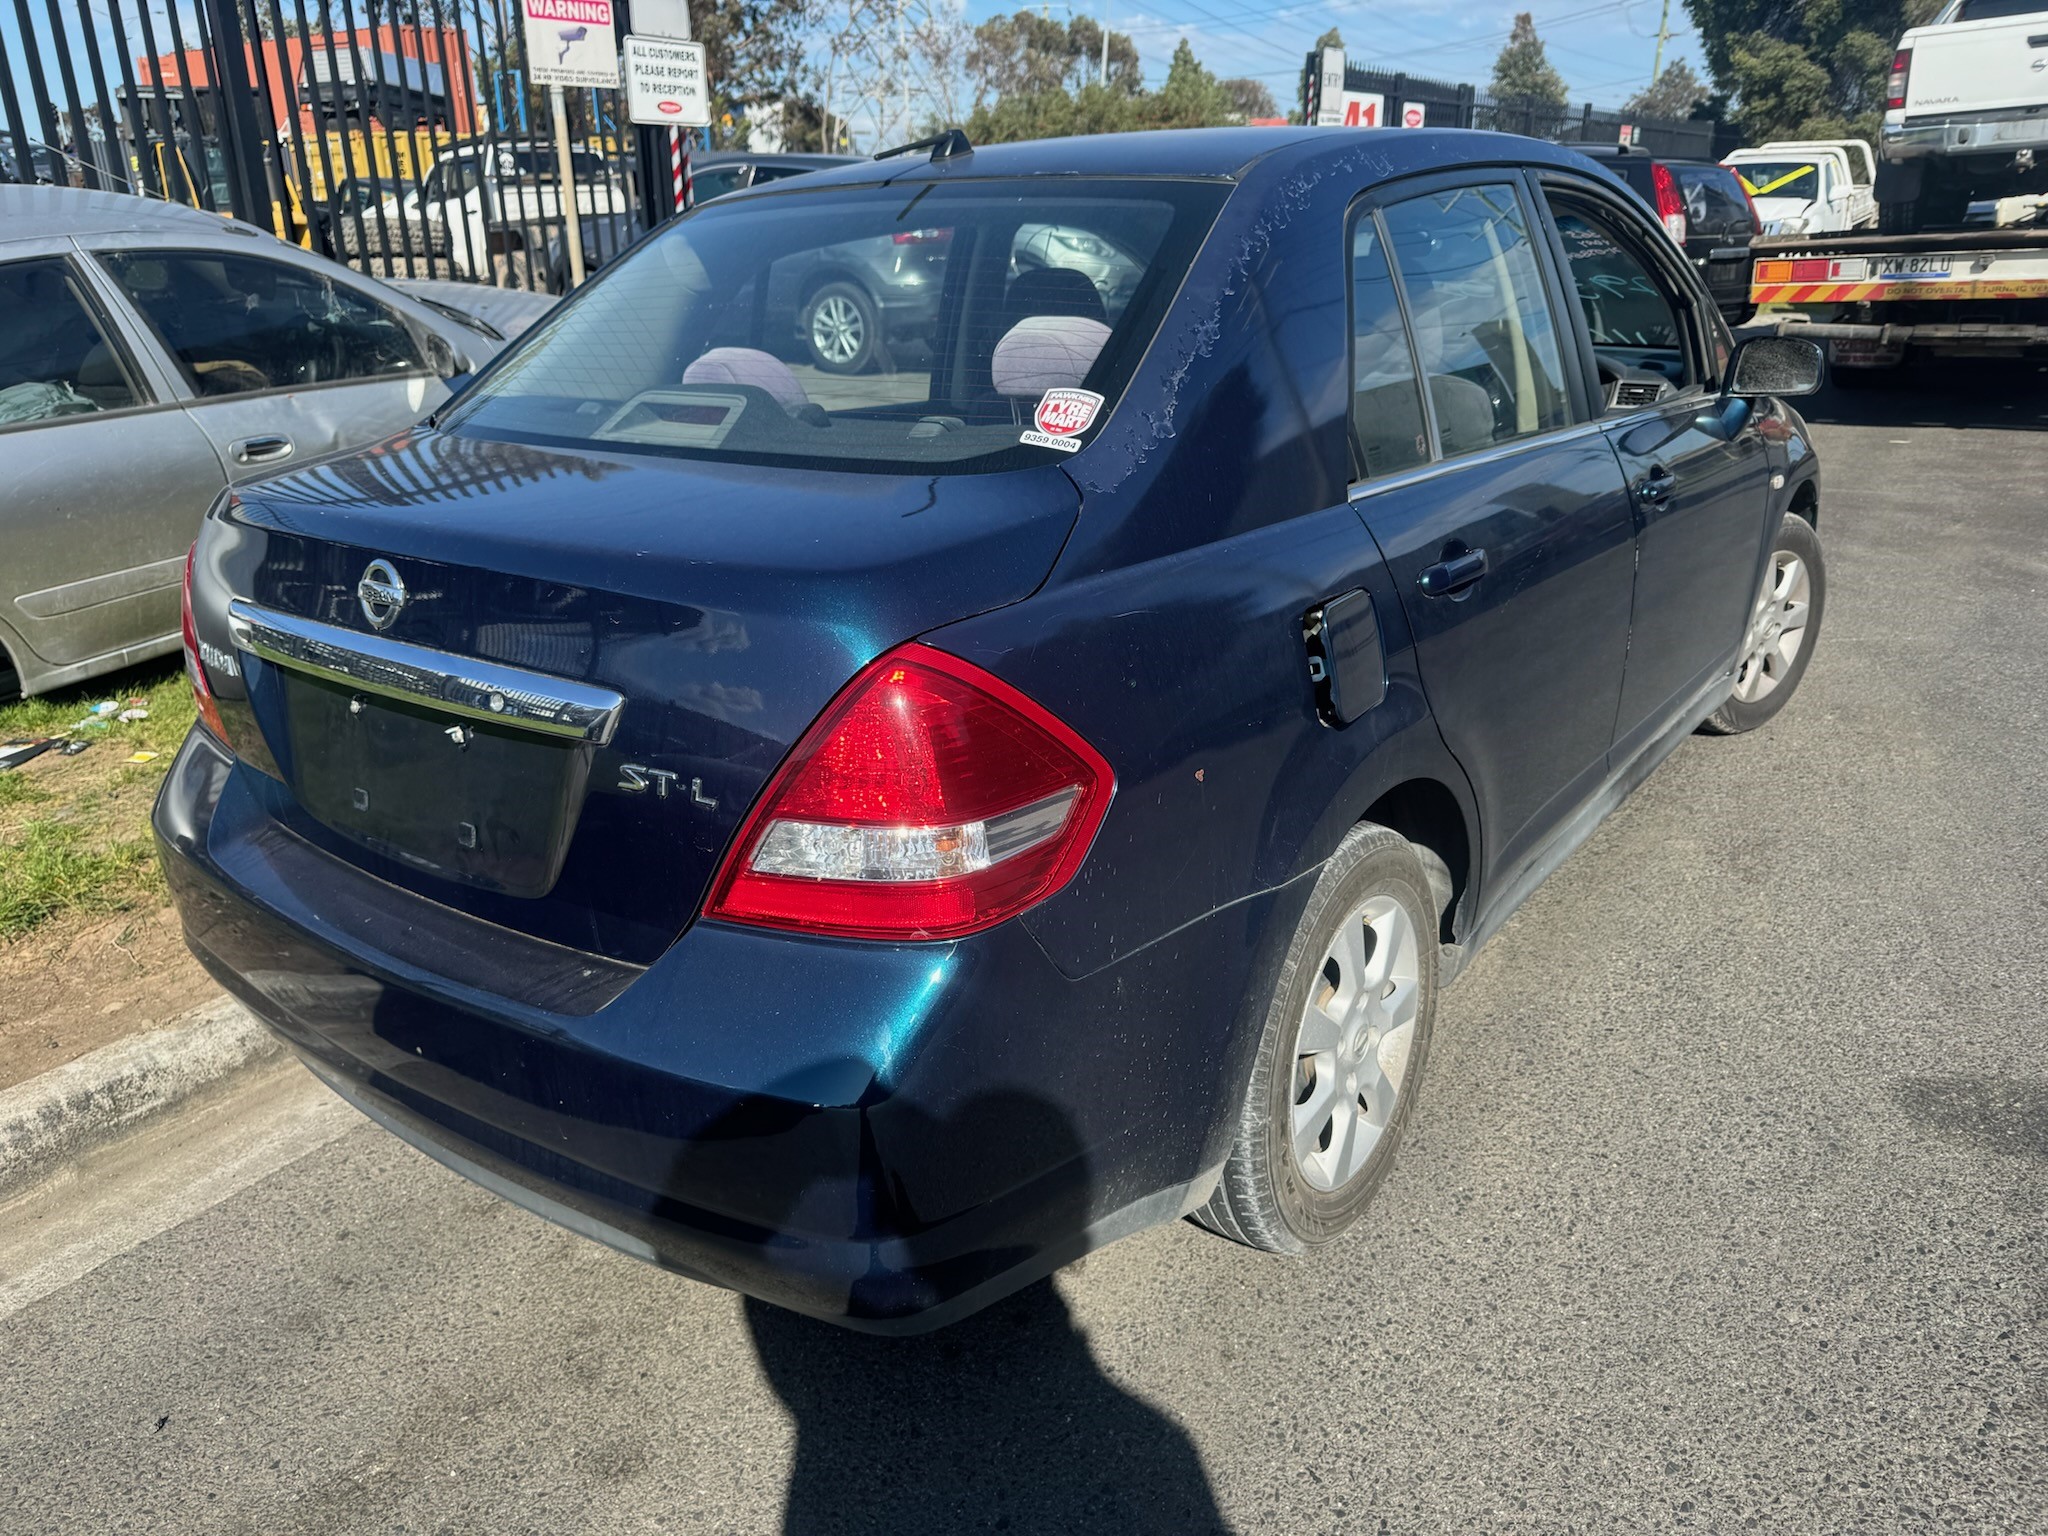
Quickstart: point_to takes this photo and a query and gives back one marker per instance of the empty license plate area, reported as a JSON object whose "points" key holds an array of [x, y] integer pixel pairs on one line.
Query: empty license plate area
{"points": [[485, 804]]}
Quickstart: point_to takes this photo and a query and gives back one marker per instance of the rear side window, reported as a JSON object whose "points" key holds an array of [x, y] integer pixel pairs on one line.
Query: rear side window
{"points": [[961, 326], [1387, 428], [241, 324], [54, 358], [1482, 325]]}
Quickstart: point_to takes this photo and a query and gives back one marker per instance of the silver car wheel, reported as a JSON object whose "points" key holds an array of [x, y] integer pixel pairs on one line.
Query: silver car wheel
{"points": [[1351, 1048], [1777, 627], [838, 330]]}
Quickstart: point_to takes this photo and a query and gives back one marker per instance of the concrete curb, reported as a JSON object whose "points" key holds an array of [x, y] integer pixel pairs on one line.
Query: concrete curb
{"points": [[65, 1112]]}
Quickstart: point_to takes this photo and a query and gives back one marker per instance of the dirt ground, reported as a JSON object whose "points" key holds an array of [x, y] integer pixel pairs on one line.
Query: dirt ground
{"points": [[84, 980]]}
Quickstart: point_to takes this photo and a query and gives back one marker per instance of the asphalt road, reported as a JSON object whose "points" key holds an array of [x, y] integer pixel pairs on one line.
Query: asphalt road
{"points": [[1728, 1207]]}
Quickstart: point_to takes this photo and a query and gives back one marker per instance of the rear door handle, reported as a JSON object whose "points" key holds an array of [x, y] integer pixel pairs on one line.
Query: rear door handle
{"points": [[261, 450], [1454, 575], [1656, 486]]}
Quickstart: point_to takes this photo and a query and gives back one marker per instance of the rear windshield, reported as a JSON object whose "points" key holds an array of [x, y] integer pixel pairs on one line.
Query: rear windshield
{"points": [[968, 326], [1780, 178]]}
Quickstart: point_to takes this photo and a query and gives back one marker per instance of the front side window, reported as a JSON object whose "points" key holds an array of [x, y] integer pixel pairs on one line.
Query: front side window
{"points": [[969, 325], [1388, 432], [1483, 329], [55, 360], [239, 324], [1635, 324]]}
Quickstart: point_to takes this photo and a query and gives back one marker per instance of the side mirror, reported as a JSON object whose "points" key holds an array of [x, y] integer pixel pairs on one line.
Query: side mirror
{"points": [[1774, 365]]}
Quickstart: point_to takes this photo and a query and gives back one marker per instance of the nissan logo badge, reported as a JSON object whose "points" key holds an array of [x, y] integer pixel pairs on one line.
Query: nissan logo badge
{"points": [[381, 593]]}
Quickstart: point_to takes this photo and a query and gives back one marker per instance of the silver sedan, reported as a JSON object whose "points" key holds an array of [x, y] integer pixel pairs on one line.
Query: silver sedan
{"points": [[151, 355]]}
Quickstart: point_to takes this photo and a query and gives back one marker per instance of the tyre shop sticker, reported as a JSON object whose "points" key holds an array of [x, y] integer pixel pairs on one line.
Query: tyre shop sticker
{"points": [[1062, 416]]}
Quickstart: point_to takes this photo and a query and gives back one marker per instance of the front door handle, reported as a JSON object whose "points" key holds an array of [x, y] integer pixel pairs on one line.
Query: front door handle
{"points": [[1449, 577], [261, 450], [1656, 487]]}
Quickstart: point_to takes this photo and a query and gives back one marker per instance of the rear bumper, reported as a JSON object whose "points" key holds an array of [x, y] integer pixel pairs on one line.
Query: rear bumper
{"points": [[1988, 133], [884, 1136]]}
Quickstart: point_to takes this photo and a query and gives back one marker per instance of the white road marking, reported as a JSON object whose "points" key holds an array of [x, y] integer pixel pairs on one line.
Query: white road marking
{"points": [[118, 1198]]}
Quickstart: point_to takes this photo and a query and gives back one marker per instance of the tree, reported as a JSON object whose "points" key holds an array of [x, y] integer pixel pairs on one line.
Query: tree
{"points": [[1029, 52], [1191, 97], [1522, 75], [1674, 94], [1804, 71], [753, 56], [1249, 98], [1330, 39]]}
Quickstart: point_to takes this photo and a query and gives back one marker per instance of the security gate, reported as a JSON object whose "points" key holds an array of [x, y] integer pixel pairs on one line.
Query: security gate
{"points": [[403, 137]]}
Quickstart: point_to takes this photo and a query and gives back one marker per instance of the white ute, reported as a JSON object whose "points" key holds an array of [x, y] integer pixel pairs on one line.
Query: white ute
{"points": [[1966, 114], [1809, 186]]}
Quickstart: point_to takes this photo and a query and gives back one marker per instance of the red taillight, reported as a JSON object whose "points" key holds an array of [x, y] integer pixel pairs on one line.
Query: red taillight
{"points": [[209, 711], [1895, 82], [930, 800], [922, 236], [1670, 206]]}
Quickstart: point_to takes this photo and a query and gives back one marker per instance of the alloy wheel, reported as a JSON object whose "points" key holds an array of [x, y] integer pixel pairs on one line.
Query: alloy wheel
{"points": [[1352, 1047], [1777, 627], [838, 331]]}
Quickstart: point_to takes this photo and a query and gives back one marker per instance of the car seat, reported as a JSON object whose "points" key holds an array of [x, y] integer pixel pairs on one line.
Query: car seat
{"points": [[1054, 291], [751, 367], [1042, 352]]}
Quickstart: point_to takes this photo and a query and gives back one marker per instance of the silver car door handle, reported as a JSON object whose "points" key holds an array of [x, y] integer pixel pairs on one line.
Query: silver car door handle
{"points": [[261, 450]]}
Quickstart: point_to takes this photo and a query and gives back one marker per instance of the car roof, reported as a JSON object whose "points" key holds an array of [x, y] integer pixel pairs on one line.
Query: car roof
{"points": [[1221, 153], [1627, 155], [765, 157], [33, 213]]}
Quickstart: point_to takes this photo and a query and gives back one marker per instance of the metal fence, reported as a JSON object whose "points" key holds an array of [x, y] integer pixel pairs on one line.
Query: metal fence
{"points": [[401, 136], [1446, 105]]}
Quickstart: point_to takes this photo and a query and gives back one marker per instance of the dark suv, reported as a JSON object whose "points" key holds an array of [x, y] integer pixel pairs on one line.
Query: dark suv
{"points": [[1705, 207], [867, 841]]}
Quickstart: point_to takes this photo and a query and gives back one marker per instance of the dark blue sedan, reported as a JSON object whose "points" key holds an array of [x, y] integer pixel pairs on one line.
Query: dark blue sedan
{"points": [[867, 840]]}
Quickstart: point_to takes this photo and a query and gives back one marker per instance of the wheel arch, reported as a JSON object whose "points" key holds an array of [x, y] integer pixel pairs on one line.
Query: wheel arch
{"points": [[1429, 815]]}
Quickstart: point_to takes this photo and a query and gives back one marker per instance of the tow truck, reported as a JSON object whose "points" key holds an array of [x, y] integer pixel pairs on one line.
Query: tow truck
{"points": [[1877, 300]]}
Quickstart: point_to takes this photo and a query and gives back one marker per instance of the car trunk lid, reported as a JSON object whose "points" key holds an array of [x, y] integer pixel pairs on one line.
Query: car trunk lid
{"points": [[543, 687]]}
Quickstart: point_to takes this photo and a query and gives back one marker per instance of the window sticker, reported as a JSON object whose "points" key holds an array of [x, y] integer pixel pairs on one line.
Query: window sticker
{"points": [[1062, 416]]}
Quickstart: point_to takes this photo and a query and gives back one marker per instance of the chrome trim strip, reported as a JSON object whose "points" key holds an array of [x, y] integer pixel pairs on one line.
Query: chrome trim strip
{"points": [[458, 685], [1430, 471]]}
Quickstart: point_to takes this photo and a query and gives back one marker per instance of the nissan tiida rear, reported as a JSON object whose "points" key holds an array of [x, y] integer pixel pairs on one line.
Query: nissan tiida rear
{"points": [[574, 789]]}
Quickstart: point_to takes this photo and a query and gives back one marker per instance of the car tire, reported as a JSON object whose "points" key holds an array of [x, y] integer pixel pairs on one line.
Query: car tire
{"points": [[1361, 974], [841, 328], [1775, 652]]}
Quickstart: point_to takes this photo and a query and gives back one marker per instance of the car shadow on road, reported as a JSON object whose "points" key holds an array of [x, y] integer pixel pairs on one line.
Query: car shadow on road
{"points": [[1999, 394], [1003, 1421]]}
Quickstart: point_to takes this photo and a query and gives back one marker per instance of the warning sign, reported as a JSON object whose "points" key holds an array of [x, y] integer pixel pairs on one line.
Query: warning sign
{"points": [[571, 42], [665, 83]]}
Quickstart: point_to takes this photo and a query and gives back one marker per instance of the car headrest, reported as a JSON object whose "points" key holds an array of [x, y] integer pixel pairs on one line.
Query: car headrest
{"points": [[1042, 352], [1056, 291], [748, 365]]}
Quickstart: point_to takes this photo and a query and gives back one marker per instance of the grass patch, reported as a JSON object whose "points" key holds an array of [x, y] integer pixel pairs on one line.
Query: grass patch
{"points": [[74, 831], [55, 868]]}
